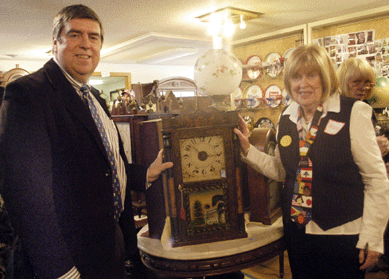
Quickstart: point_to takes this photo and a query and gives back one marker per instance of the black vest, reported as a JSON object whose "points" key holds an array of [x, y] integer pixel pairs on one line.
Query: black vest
{"points": [[337, 187]]}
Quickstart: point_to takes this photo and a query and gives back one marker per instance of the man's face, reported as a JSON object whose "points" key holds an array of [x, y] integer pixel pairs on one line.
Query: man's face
{"points": [[78, 48]]}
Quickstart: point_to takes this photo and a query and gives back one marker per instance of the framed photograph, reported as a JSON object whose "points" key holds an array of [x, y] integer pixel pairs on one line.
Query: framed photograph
{"points": [[351, 39], [361, 37], [370, 35], [352, 51]]}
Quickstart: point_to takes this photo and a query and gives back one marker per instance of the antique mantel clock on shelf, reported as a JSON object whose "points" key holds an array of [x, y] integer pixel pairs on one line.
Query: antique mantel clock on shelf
{"points": [[204, 188]]}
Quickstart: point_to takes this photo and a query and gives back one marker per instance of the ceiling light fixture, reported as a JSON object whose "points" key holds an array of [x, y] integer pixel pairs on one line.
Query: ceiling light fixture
{"points": [[222, 21], [228, 28], [242, 24]]}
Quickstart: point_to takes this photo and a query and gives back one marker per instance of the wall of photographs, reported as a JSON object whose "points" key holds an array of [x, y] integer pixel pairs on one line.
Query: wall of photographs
{"points": [[360, 44]]}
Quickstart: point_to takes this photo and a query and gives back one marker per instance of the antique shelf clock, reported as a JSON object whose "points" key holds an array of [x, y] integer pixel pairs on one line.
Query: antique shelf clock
{"points": [[203, 191], [264, 193]]}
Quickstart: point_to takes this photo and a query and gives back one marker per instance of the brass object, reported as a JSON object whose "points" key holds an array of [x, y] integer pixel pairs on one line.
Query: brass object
{"points": [[231, 13]]}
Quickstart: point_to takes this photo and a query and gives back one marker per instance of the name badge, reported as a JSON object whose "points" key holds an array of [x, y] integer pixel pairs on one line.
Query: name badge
{"points": [[333, 127]]}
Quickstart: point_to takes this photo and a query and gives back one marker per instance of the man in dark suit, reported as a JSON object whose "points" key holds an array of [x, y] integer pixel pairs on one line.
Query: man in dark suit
{"points": [[59, 182]]}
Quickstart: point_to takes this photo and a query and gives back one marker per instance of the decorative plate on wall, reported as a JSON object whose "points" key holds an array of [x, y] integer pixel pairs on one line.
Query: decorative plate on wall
{"points": [[286, 100], [236, 98], [273, 96], [253, 67], [274, 68], [264, 122], [253, 96], [287, 54]]}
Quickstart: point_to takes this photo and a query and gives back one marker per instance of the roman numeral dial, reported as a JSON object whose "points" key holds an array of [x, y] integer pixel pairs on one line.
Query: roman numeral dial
{"points": [[202, 158]]}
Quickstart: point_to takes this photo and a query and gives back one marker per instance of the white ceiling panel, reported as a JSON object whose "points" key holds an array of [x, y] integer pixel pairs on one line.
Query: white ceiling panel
{"points": [[136, 30]]}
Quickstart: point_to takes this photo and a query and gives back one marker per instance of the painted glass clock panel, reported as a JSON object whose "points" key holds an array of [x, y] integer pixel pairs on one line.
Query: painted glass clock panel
{"points": [[202, 158]]}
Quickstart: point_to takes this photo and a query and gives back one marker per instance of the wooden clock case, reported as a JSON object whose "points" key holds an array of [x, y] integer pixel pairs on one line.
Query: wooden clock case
{"points": [[203, 207]]}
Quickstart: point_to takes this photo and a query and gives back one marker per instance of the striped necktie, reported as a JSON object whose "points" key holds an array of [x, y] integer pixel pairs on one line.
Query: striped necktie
{"points": [[86, 97]]}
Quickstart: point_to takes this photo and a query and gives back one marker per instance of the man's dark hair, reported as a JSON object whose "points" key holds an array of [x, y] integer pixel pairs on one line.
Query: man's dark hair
{"points": [[71, 12]]}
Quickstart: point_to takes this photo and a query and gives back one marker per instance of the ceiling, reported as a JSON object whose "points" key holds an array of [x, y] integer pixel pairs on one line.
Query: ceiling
{"points": [[138, 30]]}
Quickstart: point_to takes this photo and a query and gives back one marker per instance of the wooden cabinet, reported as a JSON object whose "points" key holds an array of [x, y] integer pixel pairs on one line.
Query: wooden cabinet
{"points": [[129, 133], [128, 128], [148, 146], [264, 193]]}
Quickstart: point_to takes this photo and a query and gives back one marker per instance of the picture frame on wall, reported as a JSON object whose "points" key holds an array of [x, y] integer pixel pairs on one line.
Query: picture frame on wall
{"points": [[355, 44]]}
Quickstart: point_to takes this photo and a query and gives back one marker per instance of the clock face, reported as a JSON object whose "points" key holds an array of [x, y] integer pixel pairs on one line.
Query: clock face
{"points": [[202, 158]]}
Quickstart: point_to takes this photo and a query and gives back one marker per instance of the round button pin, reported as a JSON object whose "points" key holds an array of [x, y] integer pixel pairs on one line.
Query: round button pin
{"points": [[286, 141]]}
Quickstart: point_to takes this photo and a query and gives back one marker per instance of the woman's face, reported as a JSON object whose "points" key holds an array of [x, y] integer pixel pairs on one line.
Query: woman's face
{"points": [[359, 87], [307, 89]]}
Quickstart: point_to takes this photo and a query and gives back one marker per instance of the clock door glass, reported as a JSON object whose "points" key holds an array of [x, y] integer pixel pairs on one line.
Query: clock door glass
{"points": [[202, 158]]}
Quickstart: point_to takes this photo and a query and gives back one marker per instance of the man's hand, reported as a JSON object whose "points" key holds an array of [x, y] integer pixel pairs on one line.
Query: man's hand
{"points": [[367, 258], [157, 167]]}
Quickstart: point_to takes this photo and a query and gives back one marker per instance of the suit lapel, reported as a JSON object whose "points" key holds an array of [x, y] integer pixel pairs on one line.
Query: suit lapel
{"points": [[72, 101]]}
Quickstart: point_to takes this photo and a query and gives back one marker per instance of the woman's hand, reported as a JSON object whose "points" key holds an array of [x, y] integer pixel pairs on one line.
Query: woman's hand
{"points": [[243, 135], [369, 259], [383, 144], [157, 167]]}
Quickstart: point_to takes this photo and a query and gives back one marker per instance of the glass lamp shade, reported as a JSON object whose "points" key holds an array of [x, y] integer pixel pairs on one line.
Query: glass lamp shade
{"points": [[218, 72], [380, 97], [382, 82]]}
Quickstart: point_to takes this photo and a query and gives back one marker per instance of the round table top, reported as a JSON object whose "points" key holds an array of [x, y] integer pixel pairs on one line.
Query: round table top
{"points": [[258, 235]]}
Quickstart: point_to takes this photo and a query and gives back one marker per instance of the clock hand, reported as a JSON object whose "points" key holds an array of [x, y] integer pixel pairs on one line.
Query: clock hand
{"points": [[194, 147], [214, 155]]}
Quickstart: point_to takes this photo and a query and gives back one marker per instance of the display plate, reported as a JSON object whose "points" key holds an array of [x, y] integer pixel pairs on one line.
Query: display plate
{"points": [[274, 69], [287, 54], [253, 67], [253, 96], [286, 100], [273, 96], [264, 122], [236, 98]]}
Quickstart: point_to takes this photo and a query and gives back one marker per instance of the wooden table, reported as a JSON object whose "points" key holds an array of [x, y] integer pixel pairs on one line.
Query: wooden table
{"points": [[263, 243]]}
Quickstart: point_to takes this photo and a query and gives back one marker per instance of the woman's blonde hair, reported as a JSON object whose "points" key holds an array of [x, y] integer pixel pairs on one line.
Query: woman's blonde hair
{"points": [[355, 67], [316, 59]]}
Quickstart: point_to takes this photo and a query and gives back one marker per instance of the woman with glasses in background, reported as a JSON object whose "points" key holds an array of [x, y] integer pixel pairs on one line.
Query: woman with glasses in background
{"points": [[357, 79]]}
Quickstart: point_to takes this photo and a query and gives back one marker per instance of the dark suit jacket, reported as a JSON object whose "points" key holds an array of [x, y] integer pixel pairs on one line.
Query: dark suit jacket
{"points": [[57, 178]]}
